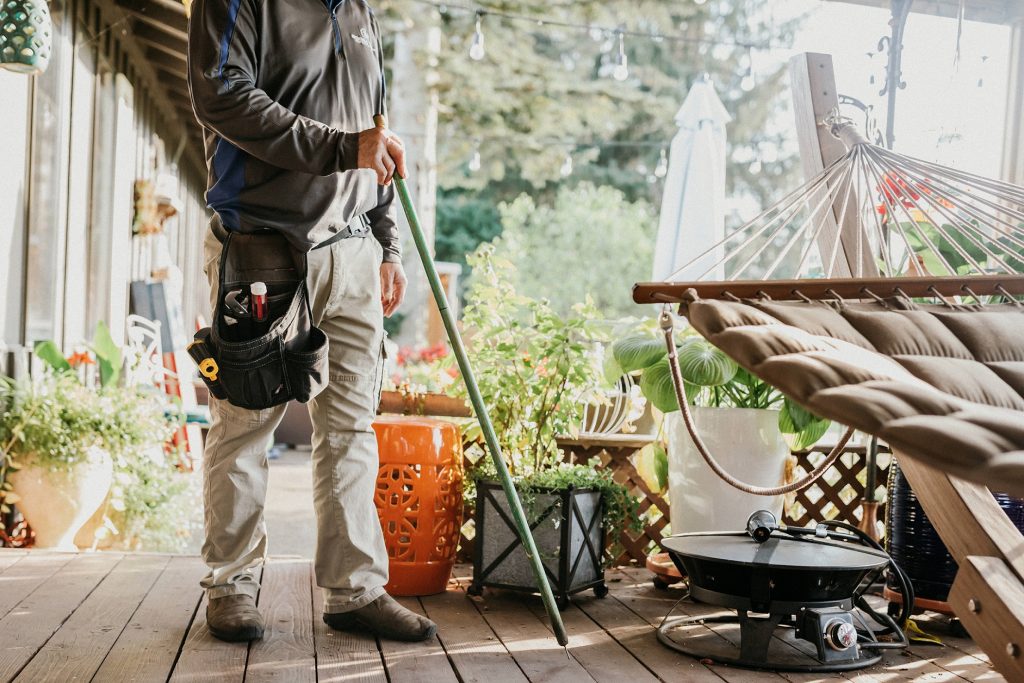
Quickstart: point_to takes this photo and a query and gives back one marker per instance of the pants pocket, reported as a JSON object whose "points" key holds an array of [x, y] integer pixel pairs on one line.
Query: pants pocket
{"points": [[382, 356]]}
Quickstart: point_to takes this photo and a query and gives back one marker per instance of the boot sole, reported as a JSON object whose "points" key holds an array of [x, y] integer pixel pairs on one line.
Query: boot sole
{"points": [[237, 635], [339, 622]]}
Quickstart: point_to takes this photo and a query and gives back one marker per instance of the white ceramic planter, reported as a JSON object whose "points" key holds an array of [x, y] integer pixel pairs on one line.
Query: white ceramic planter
{"points": [[747, 444], [56, 503]]}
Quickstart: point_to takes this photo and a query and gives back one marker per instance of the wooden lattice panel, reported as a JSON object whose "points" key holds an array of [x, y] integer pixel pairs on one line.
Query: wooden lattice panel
{"points": [[838, 493]]}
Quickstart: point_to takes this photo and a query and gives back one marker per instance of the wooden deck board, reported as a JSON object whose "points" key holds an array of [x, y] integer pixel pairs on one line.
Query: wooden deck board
{"points": [[474, 650], [204, 658], [343, 656], [22, 577], [425, 661], [286, 651], [34, 620], [77, 650], [106, 617], [601, 655], [149, 644], [528, 641]]}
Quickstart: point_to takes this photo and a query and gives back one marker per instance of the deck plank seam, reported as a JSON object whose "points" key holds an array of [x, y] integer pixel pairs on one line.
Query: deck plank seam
{"points": [[42, 581], [612, 595], [167, 563], [63, 621], [483, 615], [451, 662], [184, 636], [541, 614]]}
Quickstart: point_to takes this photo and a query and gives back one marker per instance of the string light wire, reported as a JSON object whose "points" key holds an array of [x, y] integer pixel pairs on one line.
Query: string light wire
{"points": [[445, 7]]}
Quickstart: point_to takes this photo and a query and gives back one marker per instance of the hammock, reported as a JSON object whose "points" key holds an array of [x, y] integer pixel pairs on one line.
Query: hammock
{"points": [[883, 294], [942, 382]]}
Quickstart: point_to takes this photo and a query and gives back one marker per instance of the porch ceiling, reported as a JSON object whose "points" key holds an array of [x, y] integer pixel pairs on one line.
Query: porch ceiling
{"points": [[990, 11], [160, 29]]}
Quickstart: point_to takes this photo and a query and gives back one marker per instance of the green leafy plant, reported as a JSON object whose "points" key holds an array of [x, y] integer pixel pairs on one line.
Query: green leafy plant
{"points": [[54, 419], [711, 379], [534, 369], [108, 355]]}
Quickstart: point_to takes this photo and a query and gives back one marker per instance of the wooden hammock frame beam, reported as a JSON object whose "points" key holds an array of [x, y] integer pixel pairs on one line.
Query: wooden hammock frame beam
{"points": [[988, 590], [832, 288]]}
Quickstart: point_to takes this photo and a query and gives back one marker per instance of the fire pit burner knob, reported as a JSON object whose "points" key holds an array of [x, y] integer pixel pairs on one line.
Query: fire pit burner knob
{"points": [[840, 635]]}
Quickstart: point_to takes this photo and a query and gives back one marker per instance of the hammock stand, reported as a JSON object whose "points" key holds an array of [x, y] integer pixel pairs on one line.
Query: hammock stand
{"points": [[882, 222]]}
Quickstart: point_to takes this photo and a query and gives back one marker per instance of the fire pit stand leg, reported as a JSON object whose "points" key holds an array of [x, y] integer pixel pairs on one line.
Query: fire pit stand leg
{"points": [[756, 636]]}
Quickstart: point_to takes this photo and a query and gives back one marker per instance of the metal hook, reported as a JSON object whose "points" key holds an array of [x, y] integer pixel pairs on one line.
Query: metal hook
{"points": [[874, 296], [763, 295], [1009, 297], [939, 296], [803, 296], [976, 297], [833, 293]]}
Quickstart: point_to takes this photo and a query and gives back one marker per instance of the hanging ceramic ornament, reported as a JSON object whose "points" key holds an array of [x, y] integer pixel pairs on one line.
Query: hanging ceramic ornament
{"points": [[25, 35]]}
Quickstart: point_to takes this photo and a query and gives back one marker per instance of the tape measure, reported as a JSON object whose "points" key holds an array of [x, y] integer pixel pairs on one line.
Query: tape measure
{"points": [[208, 368]]}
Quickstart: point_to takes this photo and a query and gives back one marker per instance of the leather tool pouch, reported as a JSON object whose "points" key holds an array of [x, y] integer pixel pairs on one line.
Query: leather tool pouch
{"points": [[254, 364]]}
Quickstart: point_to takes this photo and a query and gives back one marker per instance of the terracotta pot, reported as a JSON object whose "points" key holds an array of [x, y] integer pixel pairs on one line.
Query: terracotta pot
{"points": [[57, 503], [419, 501]]}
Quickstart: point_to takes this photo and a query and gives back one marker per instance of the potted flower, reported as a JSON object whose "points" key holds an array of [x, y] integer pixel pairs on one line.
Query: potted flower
{"points": [[533, 364], [55, 466], [749, 427], [87, 462]]}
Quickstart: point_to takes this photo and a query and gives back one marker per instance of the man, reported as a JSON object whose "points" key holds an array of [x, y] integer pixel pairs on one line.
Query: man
{"points": [[283, 89]]}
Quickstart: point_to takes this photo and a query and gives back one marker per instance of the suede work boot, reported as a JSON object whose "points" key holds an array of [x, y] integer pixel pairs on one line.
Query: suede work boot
{"points": [[234, 618], [384, 617]]}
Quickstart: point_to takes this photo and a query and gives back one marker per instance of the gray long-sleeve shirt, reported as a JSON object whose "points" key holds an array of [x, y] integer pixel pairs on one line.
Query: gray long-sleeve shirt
{"points": [[282, 88]]}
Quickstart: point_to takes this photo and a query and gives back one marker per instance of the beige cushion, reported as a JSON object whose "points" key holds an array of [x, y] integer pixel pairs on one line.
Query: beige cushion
{"points": [[941, 384]]}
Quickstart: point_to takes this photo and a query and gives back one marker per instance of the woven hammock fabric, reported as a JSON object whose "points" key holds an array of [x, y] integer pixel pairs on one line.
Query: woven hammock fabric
{"points": [[943, 384]]}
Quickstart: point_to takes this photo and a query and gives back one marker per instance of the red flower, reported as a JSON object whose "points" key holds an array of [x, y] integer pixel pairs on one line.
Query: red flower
{"points": [[80, 358]]}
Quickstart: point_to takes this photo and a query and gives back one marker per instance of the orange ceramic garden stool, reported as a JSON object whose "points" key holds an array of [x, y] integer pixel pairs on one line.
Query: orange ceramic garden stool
{"points": [[419, 500]]}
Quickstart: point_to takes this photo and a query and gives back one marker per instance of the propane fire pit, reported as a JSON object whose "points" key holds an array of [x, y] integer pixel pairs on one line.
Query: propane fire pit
{"points": [[794, 598]]}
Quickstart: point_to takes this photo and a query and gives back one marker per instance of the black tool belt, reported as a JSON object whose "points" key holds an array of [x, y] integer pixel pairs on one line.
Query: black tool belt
{"points": [[254, 364]]}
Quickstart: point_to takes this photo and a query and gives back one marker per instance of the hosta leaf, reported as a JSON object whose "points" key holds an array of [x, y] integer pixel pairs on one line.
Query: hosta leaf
{"points": [[701, 363], [652, 465], [808, 436], [656, 386], [108, 353], [611, 369], [48, 352], [793, 417], [638, 352]]}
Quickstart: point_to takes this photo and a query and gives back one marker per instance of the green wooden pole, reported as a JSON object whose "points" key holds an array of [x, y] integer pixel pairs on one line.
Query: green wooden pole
{"points": [[518, 515]]}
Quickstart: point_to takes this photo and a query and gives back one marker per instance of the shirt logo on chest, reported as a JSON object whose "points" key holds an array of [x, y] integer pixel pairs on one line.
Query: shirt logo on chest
{"points": [[364, 39]]}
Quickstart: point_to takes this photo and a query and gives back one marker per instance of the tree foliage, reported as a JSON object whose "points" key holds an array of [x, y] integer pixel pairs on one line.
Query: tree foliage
{"points": [[589, 241]]}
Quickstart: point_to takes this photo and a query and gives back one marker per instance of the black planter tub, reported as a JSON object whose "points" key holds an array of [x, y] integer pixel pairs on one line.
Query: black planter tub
{"points": [[568, 528]]}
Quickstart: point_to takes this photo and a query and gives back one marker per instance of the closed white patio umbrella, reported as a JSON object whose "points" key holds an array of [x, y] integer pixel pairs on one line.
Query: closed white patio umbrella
{"points": [[693, 206]]}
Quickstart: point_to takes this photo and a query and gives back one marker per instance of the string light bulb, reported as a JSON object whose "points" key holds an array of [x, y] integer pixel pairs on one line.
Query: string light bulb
{"points": [[621, 71], [661, 170], [566, 169], [748, 83], [474, 161], [476, 50]]}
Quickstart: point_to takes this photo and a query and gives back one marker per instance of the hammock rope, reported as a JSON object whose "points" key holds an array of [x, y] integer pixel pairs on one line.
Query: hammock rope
{"points": [[668, 329], [909, 210]]}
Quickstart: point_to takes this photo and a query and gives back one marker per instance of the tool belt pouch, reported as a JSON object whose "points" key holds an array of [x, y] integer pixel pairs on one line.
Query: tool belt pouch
{"points": [[254, 364]]}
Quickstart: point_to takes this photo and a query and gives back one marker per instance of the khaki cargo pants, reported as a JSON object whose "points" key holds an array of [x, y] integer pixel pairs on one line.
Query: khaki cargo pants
{"points": [[351, 561]]}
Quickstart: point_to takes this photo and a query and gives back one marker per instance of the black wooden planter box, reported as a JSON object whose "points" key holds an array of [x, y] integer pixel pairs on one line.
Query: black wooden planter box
{"points": [[568, 528]]}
